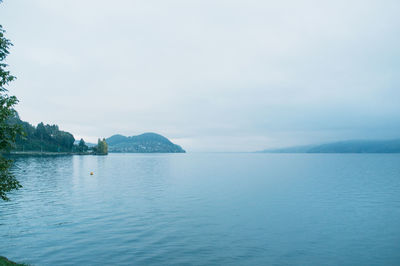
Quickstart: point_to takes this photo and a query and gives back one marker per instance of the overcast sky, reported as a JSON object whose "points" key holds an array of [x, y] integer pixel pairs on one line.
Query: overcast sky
{"points": [[211, 75]]}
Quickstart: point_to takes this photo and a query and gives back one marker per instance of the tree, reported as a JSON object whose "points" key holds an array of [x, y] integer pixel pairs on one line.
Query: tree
{"points": [[105, 146], [82, 146], [8, 132], [102, 147]]}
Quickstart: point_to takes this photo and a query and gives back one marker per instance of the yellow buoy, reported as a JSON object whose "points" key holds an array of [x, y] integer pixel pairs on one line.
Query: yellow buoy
{"points": [[91, 173]]}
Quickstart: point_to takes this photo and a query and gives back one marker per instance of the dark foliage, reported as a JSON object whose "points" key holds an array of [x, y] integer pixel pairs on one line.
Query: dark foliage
{"points": [[82, 147], [8, 132], [44, 138]]}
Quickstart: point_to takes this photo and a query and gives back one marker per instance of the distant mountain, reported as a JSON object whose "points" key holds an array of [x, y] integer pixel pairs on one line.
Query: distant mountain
{"points": [[144, 143], [89, 144], [350, 146]]}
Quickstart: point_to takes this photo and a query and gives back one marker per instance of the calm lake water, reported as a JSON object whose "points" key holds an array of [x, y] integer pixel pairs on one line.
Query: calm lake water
{"points": [[205, 209]]}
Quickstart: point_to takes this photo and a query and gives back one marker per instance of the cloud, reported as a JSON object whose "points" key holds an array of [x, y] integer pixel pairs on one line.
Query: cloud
{"points": [[215, 75]]}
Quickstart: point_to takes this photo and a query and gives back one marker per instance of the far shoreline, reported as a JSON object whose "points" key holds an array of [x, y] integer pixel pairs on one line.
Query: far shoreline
{"points": [[45, 153]]}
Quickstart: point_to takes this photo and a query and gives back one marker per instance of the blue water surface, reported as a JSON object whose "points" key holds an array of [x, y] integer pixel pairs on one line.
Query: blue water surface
{"points": [[204, 209]]}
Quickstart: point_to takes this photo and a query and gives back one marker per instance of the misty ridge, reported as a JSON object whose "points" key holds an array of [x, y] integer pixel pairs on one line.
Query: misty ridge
{"points": [[349, 146]]}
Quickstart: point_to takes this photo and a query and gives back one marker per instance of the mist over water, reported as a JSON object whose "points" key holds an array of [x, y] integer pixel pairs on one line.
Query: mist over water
{"points": [[205, 209]]}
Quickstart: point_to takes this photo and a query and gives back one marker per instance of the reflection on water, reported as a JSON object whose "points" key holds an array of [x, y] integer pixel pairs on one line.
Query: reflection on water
{"points": [[202, 209]]}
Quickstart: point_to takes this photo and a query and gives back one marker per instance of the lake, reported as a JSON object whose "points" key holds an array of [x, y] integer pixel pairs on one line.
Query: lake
{"points": [[204, 209]]}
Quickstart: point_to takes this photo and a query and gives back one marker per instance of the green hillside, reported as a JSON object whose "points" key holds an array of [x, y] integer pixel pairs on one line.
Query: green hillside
{"points": [[144, 143]]}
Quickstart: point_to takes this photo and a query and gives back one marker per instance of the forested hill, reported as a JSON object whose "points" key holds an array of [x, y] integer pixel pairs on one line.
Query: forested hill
{"points": [[351, 146], [46, 138], [144, 143]]}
